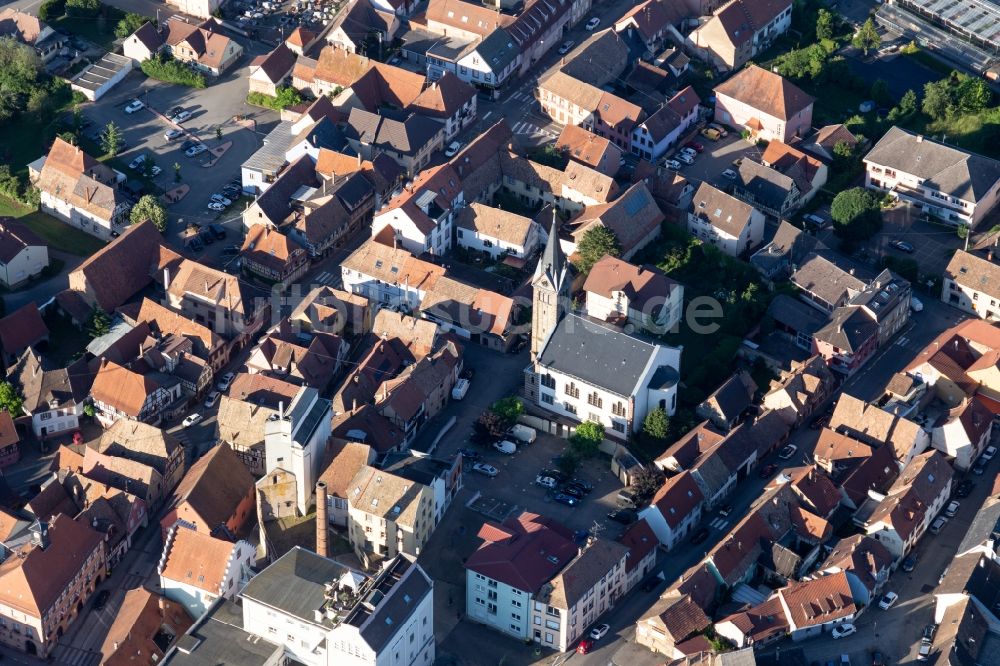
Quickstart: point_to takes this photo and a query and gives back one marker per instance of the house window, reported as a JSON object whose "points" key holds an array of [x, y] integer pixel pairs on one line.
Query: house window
{"points": [[548, 381], [547, 398], [618, 426], [572, 390], [618, 409], [569, 407], [594, 400]]}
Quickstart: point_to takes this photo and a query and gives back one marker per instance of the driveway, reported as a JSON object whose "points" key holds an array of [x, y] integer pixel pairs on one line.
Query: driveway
{"points": [[717, 157]]}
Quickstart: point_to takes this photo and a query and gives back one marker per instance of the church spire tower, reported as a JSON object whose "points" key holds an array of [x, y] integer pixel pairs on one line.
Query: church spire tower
{"points": [[550, 286]]}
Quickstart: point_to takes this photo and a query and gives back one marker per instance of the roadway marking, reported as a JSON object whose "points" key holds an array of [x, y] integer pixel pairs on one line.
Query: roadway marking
{"points": [[719, 524]]}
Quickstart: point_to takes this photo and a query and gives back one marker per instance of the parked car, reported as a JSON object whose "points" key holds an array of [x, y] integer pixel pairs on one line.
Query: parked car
{"points": [[710, 133], [965, 489], [989, 453], [623, 516], [483, 468], [508, 448], [101, 599], [699, 536], [195, 243], [927, 635], [582, 483], [572, 491], [566, 46], [172, 134], [723, 132], [910, 563], [555, 474], [592, 24], [845, 629], [814, 221], [174, 111], [878, 659], [180, 117], [924, 651], [952, 508], [685, 158], [902, 246], [188, 143], [729, 174], [218, 231], [674, 165], [600, 631], [767, 470], [568, 500], [226, 380], [689, 151], [206, 236], [888, 600], [698, 147], [545, 481], [134, 105], [585, 646], [915, 304], [191, 420], [218, 198], [627, 498], [979, 468], [522, 433], [216, 206], [212, 398], [195, 150], [459, 390], [453, 149], [230, 251], [137, 162], [938, 524], [470, 454], [788, 452]]}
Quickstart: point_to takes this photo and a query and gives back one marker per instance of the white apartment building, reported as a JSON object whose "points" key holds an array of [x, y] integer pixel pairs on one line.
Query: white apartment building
{"points": [[422, 217], [327, 614], [642, 296], [389, 276], [295, 441], [950, 185], [972, 284]]}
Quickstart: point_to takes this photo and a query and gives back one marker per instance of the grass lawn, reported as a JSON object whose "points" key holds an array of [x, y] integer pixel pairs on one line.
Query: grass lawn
{"points": [[58, 235], [99, 30], [930, 62]]}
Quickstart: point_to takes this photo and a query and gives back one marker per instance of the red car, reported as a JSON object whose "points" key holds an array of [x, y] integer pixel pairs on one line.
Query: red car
{"points": [[767, 471], [585, 646], [694, 145]]}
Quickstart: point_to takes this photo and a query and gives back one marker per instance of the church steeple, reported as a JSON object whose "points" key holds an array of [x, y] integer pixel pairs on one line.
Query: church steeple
{"points": [[550, 286]]}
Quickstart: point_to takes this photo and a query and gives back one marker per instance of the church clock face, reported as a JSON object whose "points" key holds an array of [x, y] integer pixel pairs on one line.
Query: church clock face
{"points": [[543, 284]]}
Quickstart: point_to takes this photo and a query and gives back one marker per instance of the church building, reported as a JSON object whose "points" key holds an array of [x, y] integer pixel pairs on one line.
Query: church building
{"points": [[585, 370]]}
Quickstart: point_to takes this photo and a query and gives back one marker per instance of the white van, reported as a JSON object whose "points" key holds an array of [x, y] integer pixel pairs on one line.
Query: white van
{"points": [[459, 390], [506, 447], [915, 304], [522, 433]]}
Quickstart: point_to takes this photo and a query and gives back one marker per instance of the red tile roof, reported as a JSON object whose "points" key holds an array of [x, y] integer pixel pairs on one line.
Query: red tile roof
{"points": [[818, 601], [677, 498], [530, 550], [22, 328], [765, 91], [640, 540]]}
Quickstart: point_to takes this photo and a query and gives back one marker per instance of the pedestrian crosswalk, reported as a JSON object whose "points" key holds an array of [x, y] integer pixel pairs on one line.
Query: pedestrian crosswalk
{"points": [[529, 129], [327, 278], [71, 656], [522, 97], [719, 524]]}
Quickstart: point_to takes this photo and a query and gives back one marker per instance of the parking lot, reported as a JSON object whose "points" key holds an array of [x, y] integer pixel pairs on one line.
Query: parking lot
{"points": [[273, 20], [717, 157], [212, 107]]}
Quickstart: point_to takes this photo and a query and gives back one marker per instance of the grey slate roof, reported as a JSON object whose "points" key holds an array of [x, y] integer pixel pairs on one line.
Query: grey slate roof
{"points": [[407, 136], [596, 354], [271, 156], [275, 202], [849, 328], [498, 49], [985, 525], [788, 247], [958, 173], [295, 583], [218, 639], [796, 315], [826, 280], [398, 604], [758, 184]]}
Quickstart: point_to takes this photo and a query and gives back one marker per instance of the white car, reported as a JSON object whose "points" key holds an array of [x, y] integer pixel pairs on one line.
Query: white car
{"points": [[195, 150], [952, 508], [459, 390], [729, 174], [888, 600], [915, 304], [155, 171], [216, 206], [788, 452], [684, 157], [689, 151], [226, 380], [191, 420], [134, 106], [989, 453], [212, 398], [483, 468], [674, 165], [137, 162], [180, 117], [172, 134], [453, 149], [566, 46], [938, 525], [546, 481], [218, 198], [845, 629], [599, 632], [593, 23]]}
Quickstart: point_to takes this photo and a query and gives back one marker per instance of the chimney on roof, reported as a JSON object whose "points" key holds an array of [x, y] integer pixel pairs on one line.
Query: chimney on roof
{"points": [[281, 410], [322, 526], [359, 159], [920, 138], [989, 254]]}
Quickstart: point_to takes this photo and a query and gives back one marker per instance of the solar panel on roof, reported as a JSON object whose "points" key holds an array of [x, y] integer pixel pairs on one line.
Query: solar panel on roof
{"points": [[636, 202]]}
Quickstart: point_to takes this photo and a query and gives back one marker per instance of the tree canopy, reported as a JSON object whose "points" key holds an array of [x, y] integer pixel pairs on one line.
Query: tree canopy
{"points": [[596, 242], [149, 208], [867, 37], [587, 437], [10, 401], [857, 214], [129, 24]]}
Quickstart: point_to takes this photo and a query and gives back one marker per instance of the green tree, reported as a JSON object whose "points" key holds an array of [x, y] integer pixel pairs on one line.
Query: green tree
{"points": [[149, 208], [857, 214], [287, 96], [646, 483], [10, 401], [568, 462], [83, 8], [508, 409], [177, 172], [595, 244], [824, 24], [656, 425], [843, 150], [880, 92], [68, 137], [938, 100], [867, 37], [89, 410], [906, 108], [99, 324], [52, 9], [111, 139], [797, 64], [973, 94], [587, 437], [129, 24]]}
